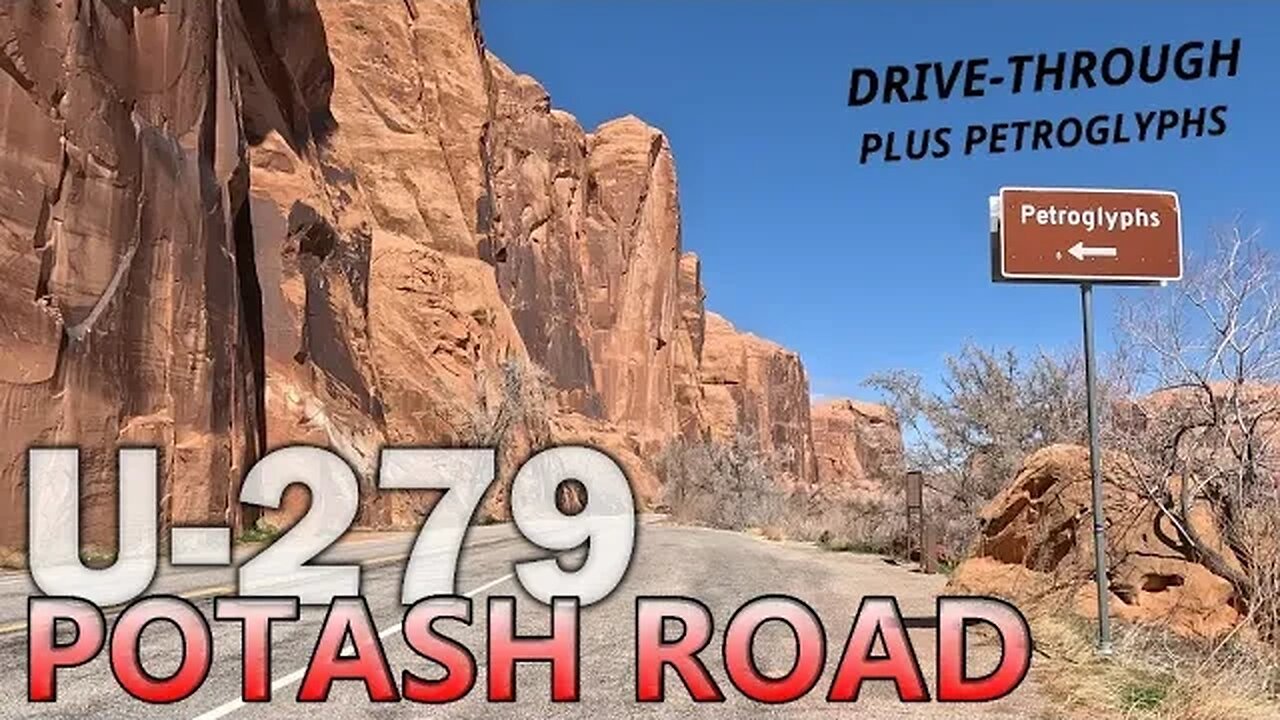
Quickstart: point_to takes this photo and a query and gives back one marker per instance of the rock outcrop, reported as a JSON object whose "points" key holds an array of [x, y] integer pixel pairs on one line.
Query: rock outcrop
{"points": [[688, 352], [228, 227], [858, 446], [1036, 542], [754, 386]]}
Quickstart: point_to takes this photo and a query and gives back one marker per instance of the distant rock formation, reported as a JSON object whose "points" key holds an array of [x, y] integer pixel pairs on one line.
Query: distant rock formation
{"points": [[753, 386], [858, 446]]}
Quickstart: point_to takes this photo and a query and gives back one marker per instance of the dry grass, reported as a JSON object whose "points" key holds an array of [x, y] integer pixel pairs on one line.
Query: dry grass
{"points": [[1152, 675], [260, 532], [774, 533]]}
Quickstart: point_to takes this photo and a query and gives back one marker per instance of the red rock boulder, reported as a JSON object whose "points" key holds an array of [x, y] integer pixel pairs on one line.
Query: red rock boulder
{"points": [[1036, 543]]}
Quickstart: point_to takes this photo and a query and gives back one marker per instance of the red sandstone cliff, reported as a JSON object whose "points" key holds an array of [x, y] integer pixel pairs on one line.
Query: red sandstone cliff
{"points": [[127, 283], [469, 224], [231, 226], [752, 385], [858, 446]]}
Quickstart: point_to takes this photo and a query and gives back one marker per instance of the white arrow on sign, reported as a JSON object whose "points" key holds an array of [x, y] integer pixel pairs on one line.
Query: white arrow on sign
{"points": [[1081, 251]]}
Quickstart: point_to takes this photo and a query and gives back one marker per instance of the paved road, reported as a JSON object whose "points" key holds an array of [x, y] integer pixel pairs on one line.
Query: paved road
{"points": [[721, 569]]}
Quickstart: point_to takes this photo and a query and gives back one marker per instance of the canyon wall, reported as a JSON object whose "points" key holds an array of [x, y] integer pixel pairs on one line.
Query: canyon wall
{"points": [[490, 228], [128, 309], [753, 385], [858, 446], [231, 226]]}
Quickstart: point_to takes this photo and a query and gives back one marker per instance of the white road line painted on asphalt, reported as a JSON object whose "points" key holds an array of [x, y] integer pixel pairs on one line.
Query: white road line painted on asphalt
{"points": [[200, 594], [207, 592], [297, 675]]}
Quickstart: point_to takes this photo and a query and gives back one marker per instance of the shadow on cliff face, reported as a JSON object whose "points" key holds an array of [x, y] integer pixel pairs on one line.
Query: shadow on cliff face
{"points": [[132, 287], [251, 304], [504, 230], [291, 84], [287, 88], [324, 258]]}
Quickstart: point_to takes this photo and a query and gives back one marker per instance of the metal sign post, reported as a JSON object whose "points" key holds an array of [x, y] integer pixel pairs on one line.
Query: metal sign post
{"points": [[1095, 470], [1088, 237]]}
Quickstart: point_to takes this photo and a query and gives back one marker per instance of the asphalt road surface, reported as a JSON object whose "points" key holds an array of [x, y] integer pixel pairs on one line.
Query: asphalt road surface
{"points": [[722, 569]]}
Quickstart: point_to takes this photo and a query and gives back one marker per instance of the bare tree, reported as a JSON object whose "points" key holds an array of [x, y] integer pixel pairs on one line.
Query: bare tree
{"points": [[727, 484], [512, 411], [1205, 439], [736, 484], [520, 392], [992, 409]]}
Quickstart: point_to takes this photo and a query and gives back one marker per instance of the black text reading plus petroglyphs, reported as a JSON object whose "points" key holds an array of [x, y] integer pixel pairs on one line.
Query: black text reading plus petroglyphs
{"points": [[1034, 73]]}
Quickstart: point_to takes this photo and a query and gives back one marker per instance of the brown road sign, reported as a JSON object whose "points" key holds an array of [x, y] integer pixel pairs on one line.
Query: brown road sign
{"points": [[915, 490], [1087, 235]]}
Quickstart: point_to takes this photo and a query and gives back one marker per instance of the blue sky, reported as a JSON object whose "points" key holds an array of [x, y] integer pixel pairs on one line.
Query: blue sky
{"points": [[864, 268]]}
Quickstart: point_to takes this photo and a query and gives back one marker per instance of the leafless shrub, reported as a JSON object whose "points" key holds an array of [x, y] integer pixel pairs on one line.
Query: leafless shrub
{"points": [[970, 436], [1207, 439], [845, 521], [1262, 566], [519, 393], [736, 485], [518, 397], [730, 485]]}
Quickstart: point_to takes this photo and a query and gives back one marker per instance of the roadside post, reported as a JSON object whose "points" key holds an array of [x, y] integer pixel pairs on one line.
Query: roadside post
{"points": [[1087, 237], [915, 509], [928, 547]]}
